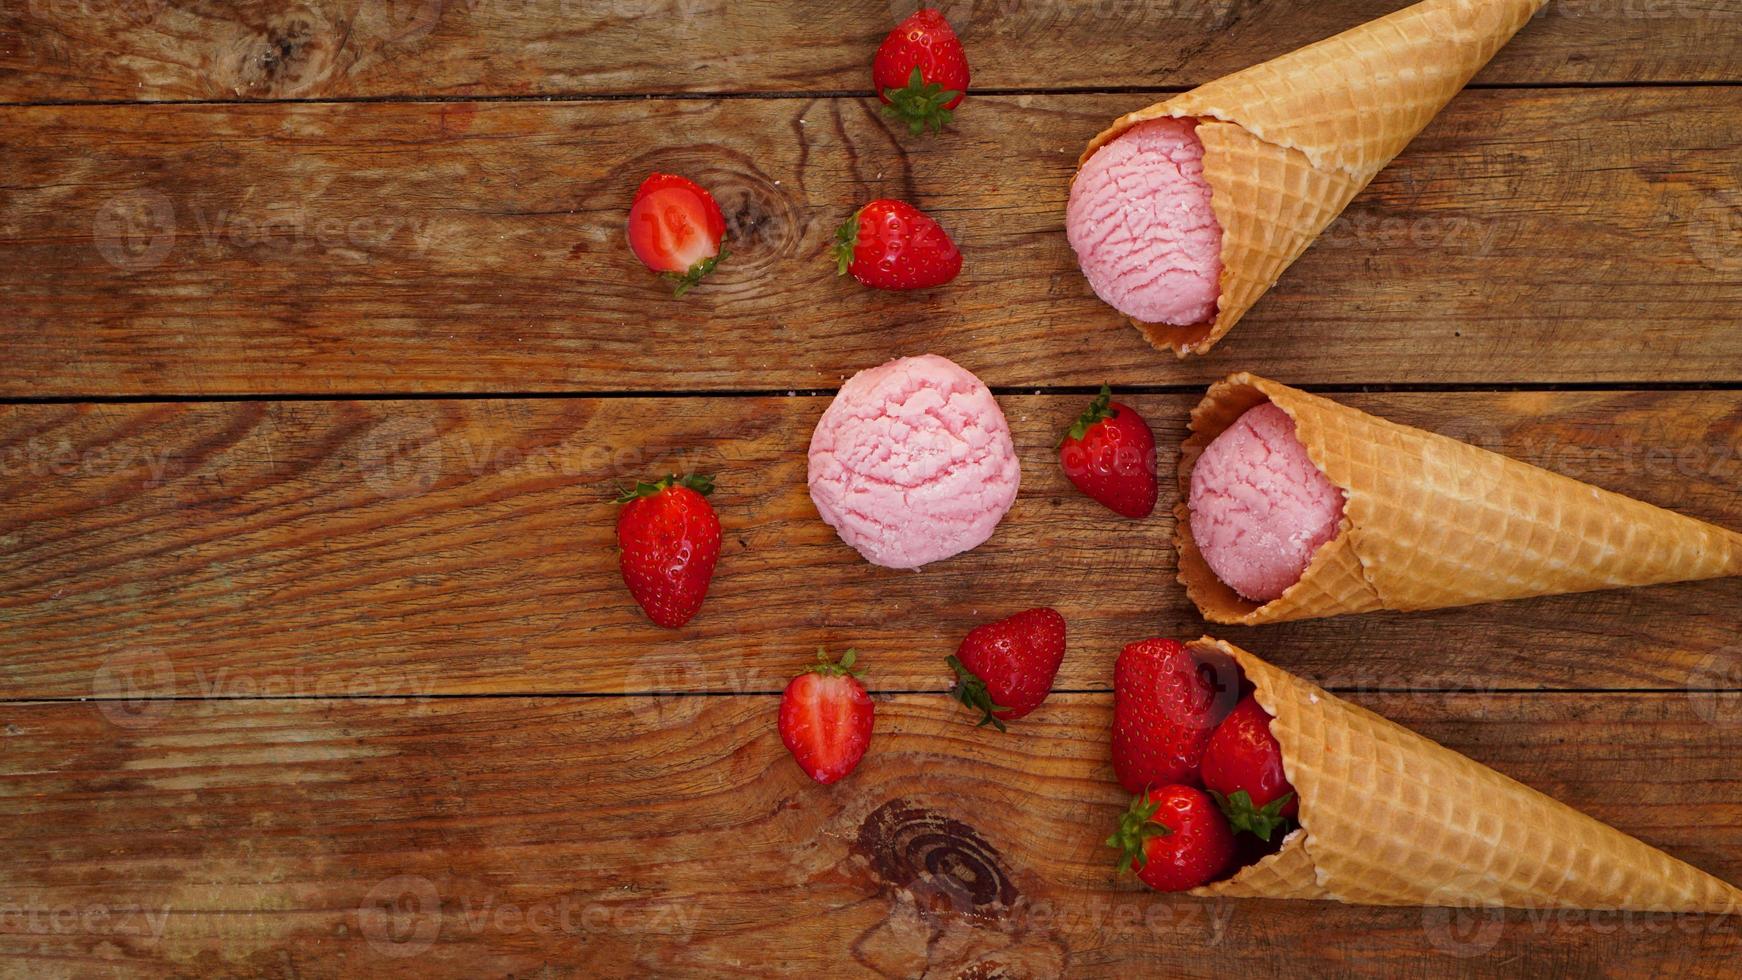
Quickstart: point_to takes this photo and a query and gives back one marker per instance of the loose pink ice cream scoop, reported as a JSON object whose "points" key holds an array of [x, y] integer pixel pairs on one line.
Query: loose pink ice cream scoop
{"points": [[1259, 506], [1140, 221], [912, 462]]}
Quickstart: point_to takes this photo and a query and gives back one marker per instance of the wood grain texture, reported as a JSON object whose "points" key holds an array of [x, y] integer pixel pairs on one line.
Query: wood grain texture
{"points": [[467, 546], [254, 49], [515, 836], [1527, 236], [367, 695]]}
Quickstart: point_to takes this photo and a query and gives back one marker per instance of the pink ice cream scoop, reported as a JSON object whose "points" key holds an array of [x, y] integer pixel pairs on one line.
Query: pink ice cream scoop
{"points": [[912, 462], [1259, 506], [1140, 221]]}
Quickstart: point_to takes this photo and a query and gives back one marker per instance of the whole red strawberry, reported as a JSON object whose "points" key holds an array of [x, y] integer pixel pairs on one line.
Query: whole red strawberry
{"points": [[1165, 706], [1109, 453], [892, 245], [825, 718], [1005, 669], [1174, 838], [1243, 768], [675, 228], [669, 540], [921, 71]]}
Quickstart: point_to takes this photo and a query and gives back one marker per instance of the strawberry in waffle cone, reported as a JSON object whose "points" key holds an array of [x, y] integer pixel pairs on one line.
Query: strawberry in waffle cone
{"points": [[1343, 512], [1388, 817], [1184, 213]]}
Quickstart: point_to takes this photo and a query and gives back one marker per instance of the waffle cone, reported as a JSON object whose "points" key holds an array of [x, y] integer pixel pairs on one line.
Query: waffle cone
{"points": [[1289, 142], [1389, 817], [1431, 522]]}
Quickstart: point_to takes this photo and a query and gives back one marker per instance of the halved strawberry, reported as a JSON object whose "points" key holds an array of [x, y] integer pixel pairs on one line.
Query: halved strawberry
{"points": [[825, 718], [675, 228]]}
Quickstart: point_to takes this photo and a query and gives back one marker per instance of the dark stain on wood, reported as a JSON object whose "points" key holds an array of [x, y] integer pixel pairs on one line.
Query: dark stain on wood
{"points": [[941, 862]]}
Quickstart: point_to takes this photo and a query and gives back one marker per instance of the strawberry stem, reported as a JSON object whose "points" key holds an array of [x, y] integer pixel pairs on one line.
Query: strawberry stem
{"points": [[1097, 411], [700, 483], [1136, 827], [696, 273], [920, 104], [971, 691], [1242, 814], [846, 241], [832, 668]]}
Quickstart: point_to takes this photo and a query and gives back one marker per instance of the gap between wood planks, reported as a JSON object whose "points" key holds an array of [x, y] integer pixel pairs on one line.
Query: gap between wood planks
{"points": [[568, 97], [880, 692], [1341, 388]]}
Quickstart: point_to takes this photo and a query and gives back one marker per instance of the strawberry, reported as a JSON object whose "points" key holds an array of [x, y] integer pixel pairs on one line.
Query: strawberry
{"points": [[921, 71], [669, 539], [675, 229], [892, 245], [1109, 453], [1243, 770], [1005, 669], [1174, 838], [825, 718], [1165, 706]]}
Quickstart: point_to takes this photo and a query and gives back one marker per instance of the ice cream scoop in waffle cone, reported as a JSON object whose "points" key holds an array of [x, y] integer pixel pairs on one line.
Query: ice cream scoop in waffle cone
{"points": [[1289, 142], [1430, 522], [1388, 817]]}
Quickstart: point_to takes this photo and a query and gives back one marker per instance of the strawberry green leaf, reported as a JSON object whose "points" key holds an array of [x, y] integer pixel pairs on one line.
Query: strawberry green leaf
{"points": [[700, 483], [971, 691], [1097, 411], [832, 668], [1243, 815], [846, 240], [920, 104], [1136, 827], [696, 273]]}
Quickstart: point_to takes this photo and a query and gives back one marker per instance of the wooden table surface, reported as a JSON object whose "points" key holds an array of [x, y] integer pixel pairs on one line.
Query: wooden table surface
{"points": [[322, 349]]}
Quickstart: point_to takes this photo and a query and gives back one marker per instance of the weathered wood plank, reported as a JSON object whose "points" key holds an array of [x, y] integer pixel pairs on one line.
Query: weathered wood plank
{"points": [[1528, 236], [513, 836], [467, 546], [253, 49]]}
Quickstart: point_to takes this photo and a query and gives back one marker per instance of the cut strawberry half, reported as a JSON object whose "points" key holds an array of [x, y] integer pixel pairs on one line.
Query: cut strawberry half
{"points": [[675, 228], [825, 718]]}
